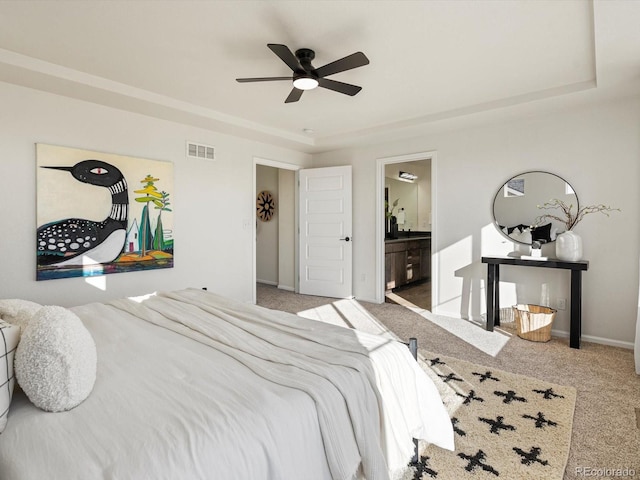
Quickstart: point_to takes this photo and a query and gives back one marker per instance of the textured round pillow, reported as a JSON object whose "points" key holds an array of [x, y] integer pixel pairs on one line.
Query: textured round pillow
{"points": [[55, 363]]}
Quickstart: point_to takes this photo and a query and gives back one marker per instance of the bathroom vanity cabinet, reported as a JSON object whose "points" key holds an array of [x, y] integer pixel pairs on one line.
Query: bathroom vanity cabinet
{"points": [[407, 260]]}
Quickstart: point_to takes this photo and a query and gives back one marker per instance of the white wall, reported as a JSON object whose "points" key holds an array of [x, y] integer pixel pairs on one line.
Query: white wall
{"points": [[424, 195], [214, 201], [286, 229], [596, 148], [267, 232]]}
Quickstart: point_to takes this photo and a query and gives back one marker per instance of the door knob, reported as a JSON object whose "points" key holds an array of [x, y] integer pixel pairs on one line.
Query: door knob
{"points": [[346, 239]]}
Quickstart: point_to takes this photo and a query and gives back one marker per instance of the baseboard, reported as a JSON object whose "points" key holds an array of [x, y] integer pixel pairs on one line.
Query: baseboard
{"points": [[287, 288], [368, 300], [594, 339], [586, 338], [267, 282]]}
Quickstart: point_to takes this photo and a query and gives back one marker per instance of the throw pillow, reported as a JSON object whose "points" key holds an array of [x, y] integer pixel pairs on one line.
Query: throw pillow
{"points": [[18, 312], [9, 336], [56, 360]]}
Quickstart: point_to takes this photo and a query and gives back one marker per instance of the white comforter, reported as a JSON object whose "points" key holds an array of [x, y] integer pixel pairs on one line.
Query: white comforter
{"points": [[260, 394]]}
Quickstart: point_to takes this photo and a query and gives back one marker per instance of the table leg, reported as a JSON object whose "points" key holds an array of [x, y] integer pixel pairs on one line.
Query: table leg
{"points": [[491, 285], [496, 296], [576, 309]]}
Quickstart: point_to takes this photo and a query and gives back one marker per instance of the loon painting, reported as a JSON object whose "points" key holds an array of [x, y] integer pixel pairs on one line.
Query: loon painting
{"points": [[87, 213], [78, 241]]}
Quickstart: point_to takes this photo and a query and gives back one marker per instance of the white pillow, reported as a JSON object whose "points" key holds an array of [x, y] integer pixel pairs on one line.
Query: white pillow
{"points": [[18, 312], [56, 359], [9, 336]]}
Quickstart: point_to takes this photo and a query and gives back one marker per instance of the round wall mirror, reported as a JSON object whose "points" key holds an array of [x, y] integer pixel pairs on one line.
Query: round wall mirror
{"points": [[515, 206]]}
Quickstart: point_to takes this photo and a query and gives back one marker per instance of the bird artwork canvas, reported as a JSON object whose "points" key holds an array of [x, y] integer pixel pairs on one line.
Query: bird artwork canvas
{"points": [[101, 213]]}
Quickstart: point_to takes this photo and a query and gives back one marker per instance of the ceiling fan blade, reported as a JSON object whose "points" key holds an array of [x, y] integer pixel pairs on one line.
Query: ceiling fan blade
{"points": [[340, 87], [294, 96], [285, 55], [261, 79], [354, 60]]}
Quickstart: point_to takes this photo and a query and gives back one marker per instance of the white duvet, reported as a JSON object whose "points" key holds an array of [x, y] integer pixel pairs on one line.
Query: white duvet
{"points": [[259, 395]]}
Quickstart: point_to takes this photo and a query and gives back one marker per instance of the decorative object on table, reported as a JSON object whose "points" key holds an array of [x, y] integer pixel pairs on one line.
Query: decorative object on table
{"points": [[536, 252], [540, 258], [534, 322], [568, 243], [76, 186], [536, 249], [569, 246], [265, 206]]}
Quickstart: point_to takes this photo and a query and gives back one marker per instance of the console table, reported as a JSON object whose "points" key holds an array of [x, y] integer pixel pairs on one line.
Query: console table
{"points": [[493, 289]]}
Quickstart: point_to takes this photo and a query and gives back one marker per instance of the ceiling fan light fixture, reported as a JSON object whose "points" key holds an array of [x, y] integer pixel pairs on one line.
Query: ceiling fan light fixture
{"points": [[305, 83], [306, 77]]}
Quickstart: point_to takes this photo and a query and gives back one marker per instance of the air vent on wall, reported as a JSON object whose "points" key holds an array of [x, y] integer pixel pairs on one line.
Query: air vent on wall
{"points": [[198, 150]]}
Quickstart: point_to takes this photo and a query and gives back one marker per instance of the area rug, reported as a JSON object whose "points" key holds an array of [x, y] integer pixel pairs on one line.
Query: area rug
{"points": [[506, 425]]}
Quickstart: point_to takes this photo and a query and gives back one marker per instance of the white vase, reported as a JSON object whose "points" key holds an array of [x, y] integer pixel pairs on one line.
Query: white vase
{"points": [[569, 246]]}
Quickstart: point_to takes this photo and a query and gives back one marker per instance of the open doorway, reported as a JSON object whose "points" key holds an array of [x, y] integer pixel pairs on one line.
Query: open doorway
{"points": [[406, 184], [274, 252]]}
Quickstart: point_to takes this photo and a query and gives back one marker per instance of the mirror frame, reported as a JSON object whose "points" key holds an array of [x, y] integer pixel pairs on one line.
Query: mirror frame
{"points": [[500, 190]]}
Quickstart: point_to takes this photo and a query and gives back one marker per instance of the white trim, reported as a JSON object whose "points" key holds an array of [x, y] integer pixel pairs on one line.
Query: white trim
{"points": [[266, 282], [593, 339], [276, 164], [368, 300], [381, 163], [287, 288], [636, 350]]}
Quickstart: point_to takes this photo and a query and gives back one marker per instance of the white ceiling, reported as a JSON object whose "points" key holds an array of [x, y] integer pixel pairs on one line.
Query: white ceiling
{"points": [[430, 60]]}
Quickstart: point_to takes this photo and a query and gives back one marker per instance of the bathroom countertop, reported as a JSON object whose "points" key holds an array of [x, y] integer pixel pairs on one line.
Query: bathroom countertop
{"points": [[418, 236]]}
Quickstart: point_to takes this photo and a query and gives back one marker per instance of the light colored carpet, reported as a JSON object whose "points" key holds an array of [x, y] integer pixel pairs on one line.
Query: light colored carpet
{"points": [[605, 433]]}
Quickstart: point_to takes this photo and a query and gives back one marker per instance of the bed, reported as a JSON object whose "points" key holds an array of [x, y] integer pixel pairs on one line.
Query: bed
{"points": [[193, 385]]}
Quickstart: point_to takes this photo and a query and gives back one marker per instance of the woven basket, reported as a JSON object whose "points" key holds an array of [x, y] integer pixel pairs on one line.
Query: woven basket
{"points": [[534, 322]]}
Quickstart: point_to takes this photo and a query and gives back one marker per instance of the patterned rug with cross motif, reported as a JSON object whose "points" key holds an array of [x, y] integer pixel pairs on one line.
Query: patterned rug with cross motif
{"points": [[506, 425]]}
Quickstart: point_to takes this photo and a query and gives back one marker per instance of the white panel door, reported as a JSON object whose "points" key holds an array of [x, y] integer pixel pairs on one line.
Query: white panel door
{"points": [[325, 232]]}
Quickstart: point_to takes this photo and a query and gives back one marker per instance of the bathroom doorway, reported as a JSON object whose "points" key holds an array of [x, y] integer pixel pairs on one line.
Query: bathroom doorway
{"points": [[407, 219]]}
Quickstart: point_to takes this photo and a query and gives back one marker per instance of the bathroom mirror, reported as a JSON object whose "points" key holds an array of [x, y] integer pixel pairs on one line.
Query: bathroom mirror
{"points": [[409, 183], [515, 206]]}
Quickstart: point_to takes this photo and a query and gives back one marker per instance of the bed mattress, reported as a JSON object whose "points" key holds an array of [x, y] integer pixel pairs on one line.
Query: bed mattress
{"points": [[192, 385]]}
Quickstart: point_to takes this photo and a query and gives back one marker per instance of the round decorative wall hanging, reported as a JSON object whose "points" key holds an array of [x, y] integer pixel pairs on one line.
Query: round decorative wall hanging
{"points": [[265, 206]]}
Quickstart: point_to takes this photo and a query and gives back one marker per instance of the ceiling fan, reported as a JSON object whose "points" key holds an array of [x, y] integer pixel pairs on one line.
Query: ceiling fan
{"points": [[306, 76]]}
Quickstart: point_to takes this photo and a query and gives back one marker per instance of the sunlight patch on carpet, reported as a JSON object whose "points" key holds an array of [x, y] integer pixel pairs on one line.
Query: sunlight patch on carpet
{"points": [[324, 313], [471, 332]]}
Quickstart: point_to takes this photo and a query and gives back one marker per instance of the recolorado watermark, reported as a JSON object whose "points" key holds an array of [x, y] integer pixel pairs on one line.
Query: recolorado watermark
{"points": [[605, 472]]}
